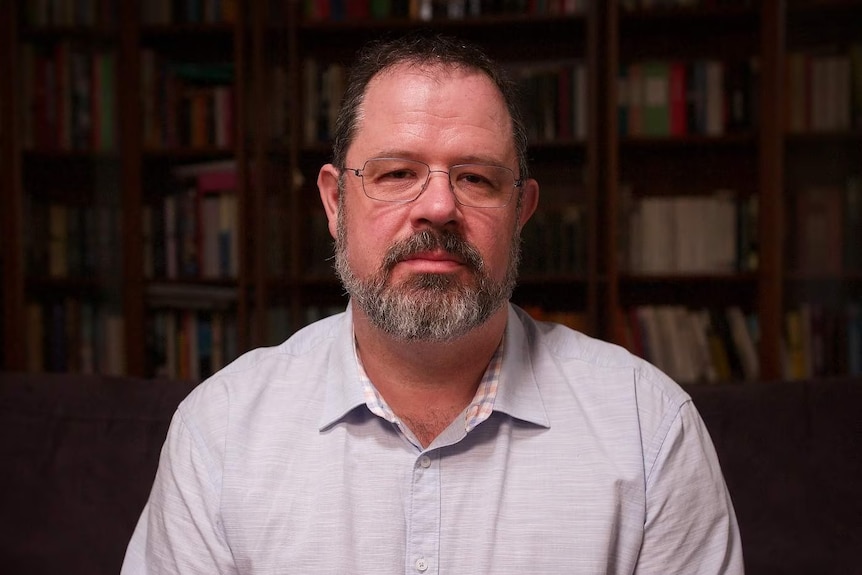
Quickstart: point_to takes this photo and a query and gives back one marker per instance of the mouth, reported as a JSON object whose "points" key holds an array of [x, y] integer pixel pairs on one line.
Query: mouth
{"points": [[432, 252], [436, 261]]}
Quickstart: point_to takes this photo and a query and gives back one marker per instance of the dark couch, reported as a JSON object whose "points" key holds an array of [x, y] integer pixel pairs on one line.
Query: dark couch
{"points": [[78, 455]]}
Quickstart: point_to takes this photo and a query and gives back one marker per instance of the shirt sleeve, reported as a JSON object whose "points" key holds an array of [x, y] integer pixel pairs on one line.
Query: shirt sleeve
{"points": [[180, 531], [690, 524]]}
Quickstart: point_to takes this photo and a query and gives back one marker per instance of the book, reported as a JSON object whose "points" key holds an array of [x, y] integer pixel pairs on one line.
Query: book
{"points": [[714, 124], [853, 223], [744, 343], [819, 229], [656, 98], [854, 339], [677, 82], [682, 234]]}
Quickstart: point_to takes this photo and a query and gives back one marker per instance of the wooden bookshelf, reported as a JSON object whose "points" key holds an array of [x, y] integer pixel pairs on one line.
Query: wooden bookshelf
{"points": [[634, 145]]}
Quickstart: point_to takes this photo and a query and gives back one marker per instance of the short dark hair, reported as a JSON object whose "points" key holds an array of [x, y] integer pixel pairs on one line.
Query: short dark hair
{"points": [[420, 48]]}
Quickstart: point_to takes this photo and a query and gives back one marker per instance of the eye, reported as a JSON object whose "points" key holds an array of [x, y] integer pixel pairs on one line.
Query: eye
{"points": [[398, 174], [478, 178], [474, 179]]}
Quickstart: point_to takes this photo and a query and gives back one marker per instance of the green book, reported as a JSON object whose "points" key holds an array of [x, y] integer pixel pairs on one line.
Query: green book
{"points": [[656, 98]]}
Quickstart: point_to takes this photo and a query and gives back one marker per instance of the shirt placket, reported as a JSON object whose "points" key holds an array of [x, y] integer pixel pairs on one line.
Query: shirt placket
{"points": [[423, 521]]}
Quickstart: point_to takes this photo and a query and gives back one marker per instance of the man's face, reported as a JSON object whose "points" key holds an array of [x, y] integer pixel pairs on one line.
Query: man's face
{"points": [[431, 269]]}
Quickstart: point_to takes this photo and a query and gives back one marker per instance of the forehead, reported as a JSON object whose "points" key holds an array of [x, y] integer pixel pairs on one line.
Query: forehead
{"points": [[434, 104]]}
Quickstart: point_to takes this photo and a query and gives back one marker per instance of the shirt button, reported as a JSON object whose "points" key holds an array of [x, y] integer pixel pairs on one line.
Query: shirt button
{"points": [[425, 462], [421, 565]]}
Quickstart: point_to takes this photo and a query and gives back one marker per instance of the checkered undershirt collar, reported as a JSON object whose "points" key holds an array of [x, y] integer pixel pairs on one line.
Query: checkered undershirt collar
{"points": [[478, 411]]}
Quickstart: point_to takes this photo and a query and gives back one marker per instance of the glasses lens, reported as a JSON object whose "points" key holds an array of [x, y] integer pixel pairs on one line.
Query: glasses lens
{"points": [[393, 179], [482, 185], [400, 180]]}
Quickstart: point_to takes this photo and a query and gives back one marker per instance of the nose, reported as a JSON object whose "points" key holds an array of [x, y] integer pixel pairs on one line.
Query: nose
{"points": [[442, 172], [436, 204]]}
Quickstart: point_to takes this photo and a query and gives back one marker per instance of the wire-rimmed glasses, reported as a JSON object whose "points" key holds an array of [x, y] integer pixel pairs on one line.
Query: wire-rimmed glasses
{"points": [[398, 180]]}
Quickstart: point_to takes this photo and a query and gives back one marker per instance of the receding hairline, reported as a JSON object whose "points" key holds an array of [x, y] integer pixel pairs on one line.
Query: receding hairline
{"points": [[437, 71]]}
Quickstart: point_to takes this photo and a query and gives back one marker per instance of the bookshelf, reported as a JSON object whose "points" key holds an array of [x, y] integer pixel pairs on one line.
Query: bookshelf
{"points": [[11, 266], [683, 245], [784, 142], [66, 190], [191, 65], [689, 176], [112, 101], [822, 185]]}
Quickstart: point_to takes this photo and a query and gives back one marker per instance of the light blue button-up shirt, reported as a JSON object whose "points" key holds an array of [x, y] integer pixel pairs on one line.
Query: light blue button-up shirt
{"points": [[592, 461]]}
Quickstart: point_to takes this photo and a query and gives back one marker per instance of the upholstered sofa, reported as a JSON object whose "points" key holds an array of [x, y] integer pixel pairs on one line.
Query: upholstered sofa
{"points": [[78, 455]]}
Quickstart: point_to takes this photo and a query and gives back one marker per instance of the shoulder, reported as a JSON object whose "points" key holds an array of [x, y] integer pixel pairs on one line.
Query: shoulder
{"points": [[268, 378], [558, 347], [603, 381]]}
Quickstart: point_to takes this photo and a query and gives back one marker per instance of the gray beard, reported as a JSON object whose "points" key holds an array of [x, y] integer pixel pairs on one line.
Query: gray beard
{"points": [[427, 306]]}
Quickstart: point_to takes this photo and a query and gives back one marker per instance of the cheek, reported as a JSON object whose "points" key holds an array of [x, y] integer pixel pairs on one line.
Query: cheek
{"points": [[494, 243], [367, 242]]}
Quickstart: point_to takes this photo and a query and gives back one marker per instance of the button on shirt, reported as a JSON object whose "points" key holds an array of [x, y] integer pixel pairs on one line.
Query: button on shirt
{"points": [[589, 461]]}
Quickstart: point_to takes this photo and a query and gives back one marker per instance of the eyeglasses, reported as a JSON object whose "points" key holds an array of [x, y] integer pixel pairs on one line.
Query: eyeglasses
{"points": [[401, 181]]}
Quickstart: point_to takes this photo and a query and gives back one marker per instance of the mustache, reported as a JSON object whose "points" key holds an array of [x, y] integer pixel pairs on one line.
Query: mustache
{"points": [[428, 240]]}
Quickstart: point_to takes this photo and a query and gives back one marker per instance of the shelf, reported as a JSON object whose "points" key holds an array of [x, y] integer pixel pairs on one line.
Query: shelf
{"points": [[285, 277]]}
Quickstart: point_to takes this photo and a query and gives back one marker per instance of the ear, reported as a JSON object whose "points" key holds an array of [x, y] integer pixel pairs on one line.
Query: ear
{"points": [[529, 201], [327, 184]]}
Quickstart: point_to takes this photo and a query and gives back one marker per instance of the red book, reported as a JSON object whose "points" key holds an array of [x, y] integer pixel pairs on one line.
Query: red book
{"points": [[678, 112]]}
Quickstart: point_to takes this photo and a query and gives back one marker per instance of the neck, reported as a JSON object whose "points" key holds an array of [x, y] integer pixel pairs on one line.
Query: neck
{"points": [[421, 380]]}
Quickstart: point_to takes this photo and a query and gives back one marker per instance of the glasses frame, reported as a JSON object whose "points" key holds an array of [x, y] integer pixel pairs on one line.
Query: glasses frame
{"points": [[358, 172]]}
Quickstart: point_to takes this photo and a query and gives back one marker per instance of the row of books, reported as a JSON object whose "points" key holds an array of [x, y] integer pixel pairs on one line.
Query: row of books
{"points": [[70, 13], [190, 344], [646, 5], [674, 98], [194, 233], [74, 335], [573, 319], [341, 10], [822, 341], [827, 226], [715, 233], [72, 241], [280, 325], [553, 100], [710, 345], [186, 104], [322, 88], [167, 12], [555, 241], [71, 96], [824, 90], [694, 345]]}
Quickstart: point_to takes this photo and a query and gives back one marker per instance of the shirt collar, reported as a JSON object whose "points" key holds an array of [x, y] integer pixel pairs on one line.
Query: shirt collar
{"points": [[478, 411], [509, 385]]}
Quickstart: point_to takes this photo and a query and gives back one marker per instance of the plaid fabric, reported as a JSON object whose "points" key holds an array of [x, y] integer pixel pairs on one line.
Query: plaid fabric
{"points": [[478, 411]]}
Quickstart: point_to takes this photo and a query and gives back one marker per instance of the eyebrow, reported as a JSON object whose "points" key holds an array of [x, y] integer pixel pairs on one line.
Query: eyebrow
{"points": [[469, 159]]}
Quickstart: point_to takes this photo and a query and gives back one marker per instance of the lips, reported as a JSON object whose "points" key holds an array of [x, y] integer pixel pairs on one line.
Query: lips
{"points": [[431, 246], [435, 256]]}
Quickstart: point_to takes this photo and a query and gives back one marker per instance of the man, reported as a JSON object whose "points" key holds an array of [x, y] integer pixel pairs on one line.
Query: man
{"points": [[433, 427]]}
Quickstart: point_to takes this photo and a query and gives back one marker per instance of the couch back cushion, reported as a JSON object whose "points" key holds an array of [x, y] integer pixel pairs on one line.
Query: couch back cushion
{"points": [[791, 453], [79, 454]]}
